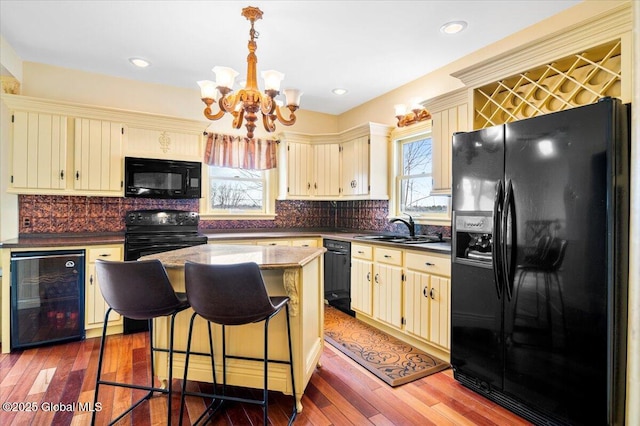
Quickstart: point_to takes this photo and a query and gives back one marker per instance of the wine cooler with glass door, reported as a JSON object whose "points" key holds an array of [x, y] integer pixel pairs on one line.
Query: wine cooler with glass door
{"points": [[47, 297]]}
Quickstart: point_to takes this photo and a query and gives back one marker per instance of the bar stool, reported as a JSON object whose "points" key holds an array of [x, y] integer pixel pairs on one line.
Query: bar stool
{"points": [[138, 290], [230, 295]]}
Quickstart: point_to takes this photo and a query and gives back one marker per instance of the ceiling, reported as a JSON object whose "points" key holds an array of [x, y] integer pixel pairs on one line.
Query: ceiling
{"points": [[366, 47]]}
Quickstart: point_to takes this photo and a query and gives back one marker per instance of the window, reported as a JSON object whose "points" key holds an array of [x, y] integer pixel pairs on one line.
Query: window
{"points": [[415, 180], [238, 192]]}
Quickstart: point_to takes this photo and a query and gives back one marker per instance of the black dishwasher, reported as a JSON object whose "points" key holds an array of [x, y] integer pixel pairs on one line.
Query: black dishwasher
{"points": [[337, 275]]}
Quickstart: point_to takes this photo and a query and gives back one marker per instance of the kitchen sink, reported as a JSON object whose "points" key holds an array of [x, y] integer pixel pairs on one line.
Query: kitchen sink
{"points": [[402, 239]]}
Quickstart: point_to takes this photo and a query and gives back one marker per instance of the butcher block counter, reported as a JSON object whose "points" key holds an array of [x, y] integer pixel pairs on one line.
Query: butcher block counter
{"points": [[293, 271]]}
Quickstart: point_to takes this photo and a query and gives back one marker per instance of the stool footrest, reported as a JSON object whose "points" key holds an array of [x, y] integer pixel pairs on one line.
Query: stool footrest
{"points": [[247, 358], [134, 386]]}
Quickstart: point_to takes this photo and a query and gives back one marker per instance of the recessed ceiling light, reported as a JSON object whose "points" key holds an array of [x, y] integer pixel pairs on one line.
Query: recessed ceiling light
{"points": [[139, 62], [339, 91], [453, 27]]}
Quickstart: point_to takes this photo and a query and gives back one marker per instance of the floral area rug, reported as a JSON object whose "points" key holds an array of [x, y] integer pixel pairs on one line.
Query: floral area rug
{"points": [[390, 359]]}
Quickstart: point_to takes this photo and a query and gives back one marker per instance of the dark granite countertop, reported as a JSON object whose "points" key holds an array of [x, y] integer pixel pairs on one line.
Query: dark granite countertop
{"points": [[88, 239], [342, 235], [63, 240]]}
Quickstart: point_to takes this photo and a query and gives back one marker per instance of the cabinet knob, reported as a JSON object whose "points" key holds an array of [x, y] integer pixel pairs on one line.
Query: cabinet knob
{"points": [[77, 175], [369, 276], [375, 278], [431, 294], [61, 174], [424, 292], [91, 279]]}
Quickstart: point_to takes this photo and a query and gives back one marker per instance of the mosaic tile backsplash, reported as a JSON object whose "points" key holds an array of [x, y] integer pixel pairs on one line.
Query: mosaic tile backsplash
{"points": [[70, 214]]}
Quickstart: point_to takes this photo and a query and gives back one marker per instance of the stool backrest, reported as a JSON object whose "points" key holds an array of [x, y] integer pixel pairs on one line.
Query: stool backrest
{"points": [[136, 289], [227, 294]]}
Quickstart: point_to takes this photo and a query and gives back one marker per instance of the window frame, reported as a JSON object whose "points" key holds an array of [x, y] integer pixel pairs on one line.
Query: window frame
{"points": [[399, 137], [269, 196]]}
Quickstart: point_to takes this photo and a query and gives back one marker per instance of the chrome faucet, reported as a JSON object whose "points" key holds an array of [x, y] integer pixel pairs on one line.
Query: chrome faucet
{"points": [[410, 224]]}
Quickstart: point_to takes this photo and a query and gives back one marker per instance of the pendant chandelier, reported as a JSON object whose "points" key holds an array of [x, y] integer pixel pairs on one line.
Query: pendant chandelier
{"points": [[247, 102]]}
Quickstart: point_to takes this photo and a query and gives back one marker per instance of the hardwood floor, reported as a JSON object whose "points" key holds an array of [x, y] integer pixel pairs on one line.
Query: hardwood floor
{"points": [[339, 393]]}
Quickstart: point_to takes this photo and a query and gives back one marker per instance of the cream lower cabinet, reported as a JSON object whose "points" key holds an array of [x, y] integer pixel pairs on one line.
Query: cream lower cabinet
{"points": [[305, 242], [273, 242], [427, 297], [387, 286], [294, 242], [405, 292], [362, 279], [96, 307]]}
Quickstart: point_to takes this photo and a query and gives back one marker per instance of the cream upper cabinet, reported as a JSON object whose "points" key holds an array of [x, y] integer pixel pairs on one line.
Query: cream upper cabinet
{"points": [[72, 149], [98, 156], [39, 151], [449, 114], [312, 170], [326, 161], [355, 166], [165, 143], [339, 166], [299, 169]]}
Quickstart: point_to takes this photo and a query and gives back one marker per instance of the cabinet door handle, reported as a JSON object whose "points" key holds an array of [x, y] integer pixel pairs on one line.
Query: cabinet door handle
{"points": [[105, 255], [77, 175], [91, 279], [375, 278], [429, 264], [424, 291], [61, 174], [387, 256], [308, 185], [360, 252], [315, 185], [431, 295], [369, 276]]}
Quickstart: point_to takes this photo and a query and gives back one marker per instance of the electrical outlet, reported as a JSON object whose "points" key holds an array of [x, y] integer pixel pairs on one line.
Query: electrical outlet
{"points": [[26, 222]]}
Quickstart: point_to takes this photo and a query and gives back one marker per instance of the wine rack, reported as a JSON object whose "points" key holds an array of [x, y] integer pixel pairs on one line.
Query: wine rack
{"points": [[575, 80]]}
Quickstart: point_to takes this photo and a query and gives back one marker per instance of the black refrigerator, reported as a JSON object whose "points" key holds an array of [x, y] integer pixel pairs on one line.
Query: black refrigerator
{"points": [[540, 261]]}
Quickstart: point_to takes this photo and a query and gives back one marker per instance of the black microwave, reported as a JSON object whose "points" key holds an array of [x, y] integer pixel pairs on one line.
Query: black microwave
{"points": [[155, 178]]}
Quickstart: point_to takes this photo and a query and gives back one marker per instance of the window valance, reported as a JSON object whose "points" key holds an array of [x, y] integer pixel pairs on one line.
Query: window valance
{"points": [[240, 152]]}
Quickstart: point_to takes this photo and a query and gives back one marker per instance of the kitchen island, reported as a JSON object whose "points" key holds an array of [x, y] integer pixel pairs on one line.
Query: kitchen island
{"points": [[293, 271]]}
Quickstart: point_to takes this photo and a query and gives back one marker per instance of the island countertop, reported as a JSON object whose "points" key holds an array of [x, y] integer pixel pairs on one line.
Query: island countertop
{"points": [[296, 272], [267, 257]]}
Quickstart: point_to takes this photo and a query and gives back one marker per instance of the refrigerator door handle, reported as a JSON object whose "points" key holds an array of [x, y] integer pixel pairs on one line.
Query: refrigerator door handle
{"points": [[496, 259], [508, 215]]}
